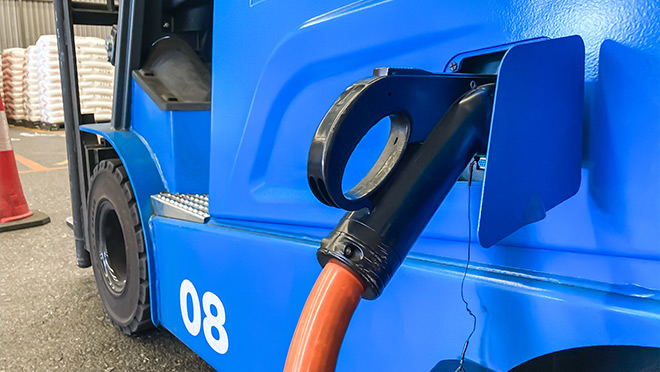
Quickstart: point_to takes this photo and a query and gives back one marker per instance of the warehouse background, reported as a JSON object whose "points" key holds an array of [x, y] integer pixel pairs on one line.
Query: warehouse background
{"points": [[23, 21]]}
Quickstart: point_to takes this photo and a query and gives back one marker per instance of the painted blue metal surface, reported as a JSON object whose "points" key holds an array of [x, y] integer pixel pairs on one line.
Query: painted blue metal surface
{"points": [[585, 275], [146, 180], [262, 278], [535, 145], [266, 110], [179, 141], [304, 61]]}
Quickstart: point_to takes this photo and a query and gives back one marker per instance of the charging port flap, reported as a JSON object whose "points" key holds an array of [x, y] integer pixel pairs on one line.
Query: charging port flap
{"points": [[535, 145]]}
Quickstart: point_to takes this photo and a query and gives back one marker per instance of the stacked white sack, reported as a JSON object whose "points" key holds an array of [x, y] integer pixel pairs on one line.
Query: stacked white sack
{"points": [[96, 77], [50, 87], [31, 85], [1, 92], [12, 82]]}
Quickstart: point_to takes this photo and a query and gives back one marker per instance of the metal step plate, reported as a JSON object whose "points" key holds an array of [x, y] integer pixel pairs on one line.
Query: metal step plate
{"points": [[187, 207]]}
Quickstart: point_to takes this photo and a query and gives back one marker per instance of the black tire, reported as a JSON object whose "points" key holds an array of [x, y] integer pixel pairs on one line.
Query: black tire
{"points": [[117, 249]]}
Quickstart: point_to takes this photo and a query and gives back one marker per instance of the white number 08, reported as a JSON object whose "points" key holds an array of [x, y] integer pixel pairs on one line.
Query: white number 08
{"points": [[217, 321]]}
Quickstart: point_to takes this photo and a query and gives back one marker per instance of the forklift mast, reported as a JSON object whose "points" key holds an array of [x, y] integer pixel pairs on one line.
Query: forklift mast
{"points": [[68, 13]]}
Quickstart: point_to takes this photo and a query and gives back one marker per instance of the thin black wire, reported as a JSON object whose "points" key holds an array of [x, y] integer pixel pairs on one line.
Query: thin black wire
{"points": [[467, 306]]}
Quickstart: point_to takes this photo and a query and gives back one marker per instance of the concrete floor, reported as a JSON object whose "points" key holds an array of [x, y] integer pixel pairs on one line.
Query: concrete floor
{"points": [[51, 317]]}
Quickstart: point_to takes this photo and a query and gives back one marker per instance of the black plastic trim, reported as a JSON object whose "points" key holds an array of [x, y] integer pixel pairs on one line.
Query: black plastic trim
{"points": [[175, 77]]}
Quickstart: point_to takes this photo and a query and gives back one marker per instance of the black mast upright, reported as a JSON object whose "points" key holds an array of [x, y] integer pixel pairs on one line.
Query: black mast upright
{"points": [[66, 14], [72, 119]]}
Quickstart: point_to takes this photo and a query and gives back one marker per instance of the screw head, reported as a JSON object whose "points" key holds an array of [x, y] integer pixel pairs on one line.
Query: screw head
{"points": [[348, 251]]}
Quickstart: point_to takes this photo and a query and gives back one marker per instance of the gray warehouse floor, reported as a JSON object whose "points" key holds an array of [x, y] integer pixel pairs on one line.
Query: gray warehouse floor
{"points": [[51, 317]]}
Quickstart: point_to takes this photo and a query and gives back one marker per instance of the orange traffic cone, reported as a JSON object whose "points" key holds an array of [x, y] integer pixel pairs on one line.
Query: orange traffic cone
{"points": [[14, 211]]}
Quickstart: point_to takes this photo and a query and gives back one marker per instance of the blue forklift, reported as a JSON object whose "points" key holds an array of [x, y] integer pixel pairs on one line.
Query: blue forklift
{"points": [[480, 173]]}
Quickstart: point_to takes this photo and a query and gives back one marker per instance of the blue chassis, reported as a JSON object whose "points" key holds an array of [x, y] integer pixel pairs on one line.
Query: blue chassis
{"points": [[586, 275]]}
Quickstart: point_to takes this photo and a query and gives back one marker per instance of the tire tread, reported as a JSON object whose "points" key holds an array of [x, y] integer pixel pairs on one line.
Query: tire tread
{"points": [[142, 319]]}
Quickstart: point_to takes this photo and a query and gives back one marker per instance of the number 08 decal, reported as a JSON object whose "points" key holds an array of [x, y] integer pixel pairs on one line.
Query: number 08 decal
{"points": [[210, 320]]}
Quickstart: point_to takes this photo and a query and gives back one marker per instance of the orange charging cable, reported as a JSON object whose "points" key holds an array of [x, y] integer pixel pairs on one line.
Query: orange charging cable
{"points": [[324, 320]]}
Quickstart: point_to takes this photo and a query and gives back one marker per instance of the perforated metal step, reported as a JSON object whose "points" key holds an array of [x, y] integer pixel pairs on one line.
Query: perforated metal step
{"points": [[188, 207]]}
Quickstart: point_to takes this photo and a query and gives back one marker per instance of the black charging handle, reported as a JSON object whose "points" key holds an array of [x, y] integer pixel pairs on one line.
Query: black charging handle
{"points": [[438, 123]]}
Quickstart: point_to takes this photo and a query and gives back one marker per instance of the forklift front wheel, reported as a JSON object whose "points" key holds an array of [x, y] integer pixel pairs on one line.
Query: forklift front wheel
{"points": [[117, 248]]}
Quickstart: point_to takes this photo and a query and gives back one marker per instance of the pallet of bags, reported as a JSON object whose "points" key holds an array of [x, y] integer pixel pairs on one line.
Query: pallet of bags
{"points": [[13, 60], [96, 77], [31, 86], [48, 78]]}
